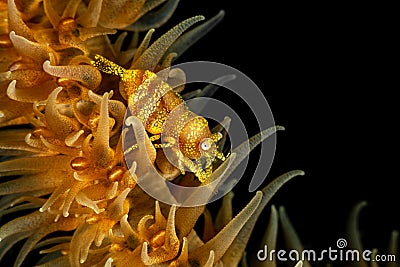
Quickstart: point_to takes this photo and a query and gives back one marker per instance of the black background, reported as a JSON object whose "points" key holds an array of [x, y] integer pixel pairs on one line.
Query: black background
{"points": [[327, 72]]}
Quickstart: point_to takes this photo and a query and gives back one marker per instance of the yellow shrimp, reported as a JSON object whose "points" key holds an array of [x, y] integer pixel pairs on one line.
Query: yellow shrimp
{"points": [[153, 101]]}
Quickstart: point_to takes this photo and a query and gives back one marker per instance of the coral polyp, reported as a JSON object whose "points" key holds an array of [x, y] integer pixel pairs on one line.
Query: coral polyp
{"points": [[66, 187]]}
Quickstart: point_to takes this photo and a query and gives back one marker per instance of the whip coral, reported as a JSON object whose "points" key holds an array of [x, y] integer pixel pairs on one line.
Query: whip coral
{"points": [[65, 183]]}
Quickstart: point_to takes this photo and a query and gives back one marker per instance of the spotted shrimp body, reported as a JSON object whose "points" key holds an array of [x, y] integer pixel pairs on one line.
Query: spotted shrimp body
{"points": [[154, 102]]}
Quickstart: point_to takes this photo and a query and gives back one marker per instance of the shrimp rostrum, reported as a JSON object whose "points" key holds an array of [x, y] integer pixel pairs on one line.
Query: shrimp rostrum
{"points": [[155, 103]]}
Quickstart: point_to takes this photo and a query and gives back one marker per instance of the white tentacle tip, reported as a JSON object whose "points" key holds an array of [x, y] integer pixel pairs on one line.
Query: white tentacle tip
{"points": [[108, 262], [46, 64]]}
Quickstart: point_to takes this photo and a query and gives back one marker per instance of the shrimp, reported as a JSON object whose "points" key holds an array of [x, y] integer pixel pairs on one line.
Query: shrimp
{"points": [[153, 101]]}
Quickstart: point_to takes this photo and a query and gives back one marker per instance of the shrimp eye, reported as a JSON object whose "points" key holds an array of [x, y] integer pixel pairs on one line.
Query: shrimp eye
{"points": [[206, 144]]}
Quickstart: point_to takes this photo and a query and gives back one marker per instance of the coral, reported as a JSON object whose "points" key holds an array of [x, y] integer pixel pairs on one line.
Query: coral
{"points": [[64, 177]]}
